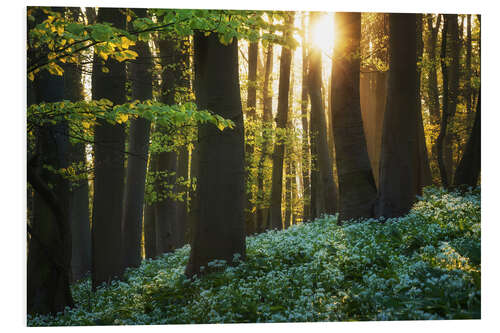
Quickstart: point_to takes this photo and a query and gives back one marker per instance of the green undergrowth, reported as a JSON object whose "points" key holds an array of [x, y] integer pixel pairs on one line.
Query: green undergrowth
{"points": [[426, 265]]}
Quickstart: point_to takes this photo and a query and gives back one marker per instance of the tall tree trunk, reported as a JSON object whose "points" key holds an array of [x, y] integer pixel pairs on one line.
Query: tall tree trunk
{"points": [[469, 167], [219, 232], [142, 89], [432, 88], [79, 213], [453, 81], [424, 168], [107, 211], [319, 132], [50, 248], [266, 138], [468, 67], [276, 220], [450, 92], [253, 52], [306, 149], [399, 163], [173, 64], [357, 189]]}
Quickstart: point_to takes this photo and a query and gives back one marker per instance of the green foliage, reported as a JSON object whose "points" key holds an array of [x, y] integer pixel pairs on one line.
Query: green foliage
{"points": [[58, 40], [425, 265]]}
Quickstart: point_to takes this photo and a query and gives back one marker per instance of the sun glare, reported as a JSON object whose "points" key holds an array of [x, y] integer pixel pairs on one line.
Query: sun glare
{"points": [[322, 34]]}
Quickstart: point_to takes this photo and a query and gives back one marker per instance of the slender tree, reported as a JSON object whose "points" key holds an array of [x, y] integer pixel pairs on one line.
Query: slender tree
{"points": [[432, 80], [469, 167], [357, 189], [140, 75], [253, 52], [306, 148], [167, 231], [109, 170], [449, 48], [219, 230], [276, 220], [319, 130], [266, 138], [79, 213], [424, 167], [400, 179]]}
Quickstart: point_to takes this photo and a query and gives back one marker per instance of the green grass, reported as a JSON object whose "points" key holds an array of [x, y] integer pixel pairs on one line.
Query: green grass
{"points": [[426, 265]]}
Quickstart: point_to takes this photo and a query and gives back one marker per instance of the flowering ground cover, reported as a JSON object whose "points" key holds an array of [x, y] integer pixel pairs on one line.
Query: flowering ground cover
{"points": [[426, 265]]}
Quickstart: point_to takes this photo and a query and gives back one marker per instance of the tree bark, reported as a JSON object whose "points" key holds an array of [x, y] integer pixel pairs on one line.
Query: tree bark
{"points": [[107, 212], [50, 248], [400, 179], [469, 167], [319, 133], [142, 89], [357, 189], [79, 213], [306, 149], [450, 92], [219, 231], [424, 168], [432, 88], [253, 52], [267, 116], [168, 230], [276, 219], [454, 75]]}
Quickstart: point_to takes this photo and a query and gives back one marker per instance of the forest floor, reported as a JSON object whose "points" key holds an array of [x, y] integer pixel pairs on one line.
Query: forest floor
{"points": [[426, 265]]}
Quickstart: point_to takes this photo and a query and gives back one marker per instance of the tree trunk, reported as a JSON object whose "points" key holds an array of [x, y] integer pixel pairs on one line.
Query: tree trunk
{"points": [[107, 212], [319, 134], [253, 51], [276, 220], [138, 146], [432, 95], [468, 67], [79, 214], [219, 232], [306, 149], [424, 168], [432, 88], [450, 91], [174, 63], [400, 160], [453, 81], [357, 189], [266, 139], [50, 248], [469, 167]]}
